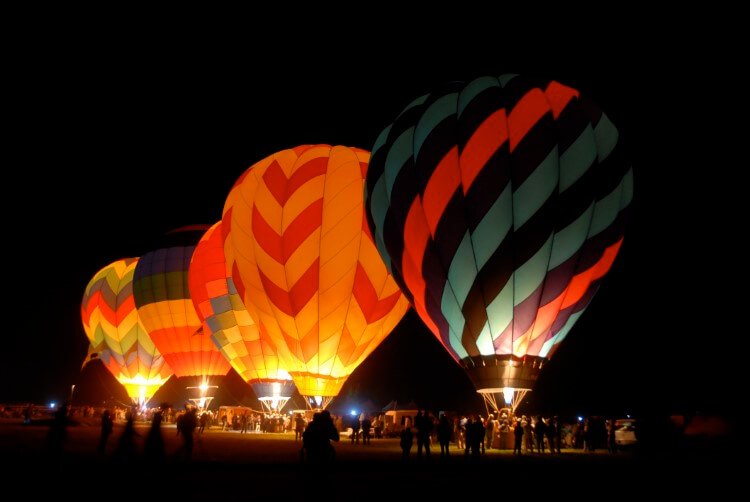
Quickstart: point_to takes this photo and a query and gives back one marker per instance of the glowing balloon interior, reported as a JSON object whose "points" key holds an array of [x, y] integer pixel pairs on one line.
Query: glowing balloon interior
{"points": [[160, 288], [219, 306], [305, 264], [116, 333]]}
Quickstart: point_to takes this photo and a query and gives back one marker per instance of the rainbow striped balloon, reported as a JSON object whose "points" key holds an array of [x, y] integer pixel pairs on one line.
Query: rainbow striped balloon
{"points": [[113, 327]]}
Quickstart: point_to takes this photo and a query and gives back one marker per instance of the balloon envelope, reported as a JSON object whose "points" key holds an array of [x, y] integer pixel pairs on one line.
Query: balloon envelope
{"points": [[498, 206], [220, 308], [306, 266], [162, 296], [112, 324]]}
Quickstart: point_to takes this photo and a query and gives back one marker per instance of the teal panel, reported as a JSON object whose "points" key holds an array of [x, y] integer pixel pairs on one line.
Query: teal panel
{"points": [[438, 111], [535, 190]]}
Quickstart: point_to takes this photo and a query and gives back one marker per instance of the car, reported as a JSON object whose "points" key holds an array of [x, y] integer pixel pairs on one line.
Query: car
{"points": [[625, 432]]}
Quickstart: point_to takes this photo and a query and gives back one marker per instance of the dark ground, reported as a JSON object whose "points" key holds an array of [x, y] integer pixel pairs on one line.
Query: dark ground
{"points": [[251, 465]]}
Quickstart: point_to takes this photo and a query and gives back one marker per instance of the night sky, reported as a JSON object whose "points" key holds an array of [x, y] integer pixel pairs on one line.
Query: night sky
{"points": [[118, 145]]}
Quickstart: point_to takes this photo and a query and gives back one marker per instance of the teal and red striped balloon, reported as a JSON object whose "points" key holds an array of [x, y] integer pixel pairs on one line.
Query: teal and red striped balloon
{"points": [[498, 205]]}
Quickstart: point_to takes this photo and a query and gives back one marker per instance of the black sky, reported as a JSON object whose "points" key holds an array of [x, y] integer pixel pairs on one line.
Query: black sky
{"points": [[113, 144]]}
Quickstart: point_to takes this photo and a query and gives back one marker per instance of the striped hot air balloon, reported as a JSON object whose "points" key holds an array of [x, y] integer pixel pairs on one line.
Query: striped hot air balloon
{"points": [[102, 353], [217, 303], [498, 206], [303, 260], [114, 329], [162, 296]]}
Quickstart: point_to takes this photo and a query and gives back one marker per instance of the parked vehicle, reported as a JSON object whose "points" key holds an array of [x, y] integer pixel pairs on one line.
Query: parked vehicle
{"points": [[625, 432]]}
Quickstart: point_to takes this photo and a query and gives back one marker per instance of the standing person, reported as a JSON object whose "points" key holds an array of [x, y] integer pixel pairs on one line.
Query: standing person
{"points": [[424, 427], [57, 432], [518, 433], [489, 431], [243, 423], [203, 422], [539, 431], [407, 440], [316, 440], [154, 447], [126, 446], [107, 425], [299, 426], [187, 428], [444, 436], [366, 426], [477, 437]]}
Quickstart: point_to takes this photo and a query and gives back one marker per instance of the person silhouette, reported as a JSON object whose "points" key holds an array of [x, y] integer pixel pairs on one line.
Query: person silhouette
{"points": [[107, 426], [407, 440], [58, 432], [126, 445], [154, 447], [316, 440]]}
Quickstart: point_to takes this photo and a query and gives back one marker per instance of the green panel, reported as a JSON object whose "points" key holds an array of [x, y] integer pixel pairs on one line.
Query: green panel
{"points": [[400, 152], [456, 345], [606, 137], [493, 228], [382, 137], [606, 210], [473, 89], [451, 310], [420, 100], [531, 274], [500, 309], [484, 341], [577, 159], [505, 78], [438, 111], [463, 270], [570, 239], [535, 190]]}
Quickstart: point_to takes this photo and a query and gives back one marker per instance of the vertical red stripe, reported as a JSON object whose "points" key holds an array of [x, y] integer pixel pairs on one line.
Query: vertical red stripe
{"points": [[486, 140], [527, 112]]}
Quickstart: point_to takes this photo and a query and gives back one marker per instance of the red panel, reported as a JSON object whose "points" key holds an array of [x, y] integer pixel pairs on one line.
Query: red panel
{"points": [[527, 112], [486, 140]]}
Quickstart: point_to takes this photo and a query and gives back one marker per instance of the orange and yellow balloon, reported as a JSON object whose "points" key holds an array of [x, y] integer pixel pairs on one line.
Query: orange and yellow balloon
{"points": [[113, 327], [300, 254], [251, 353]]}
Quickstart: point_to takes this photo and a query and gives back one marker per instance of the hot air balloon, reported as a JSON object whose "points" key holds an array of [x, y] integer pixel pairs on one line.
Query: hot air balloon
{"points": [[302, 258], [160, 288], [114, 329], [102, 353], [217, 303], [498, 206]]}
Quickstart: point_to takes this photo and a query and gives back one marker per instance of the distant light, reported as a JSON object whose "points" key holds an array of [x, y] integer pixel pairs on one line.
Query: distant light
{"points": [[580, 419], [52, 404], [628, 416], [353, 412]]}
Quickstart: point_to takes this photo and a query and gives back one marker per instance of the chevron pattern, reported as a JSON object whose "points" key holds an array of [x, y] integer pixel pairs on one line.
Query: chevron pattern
{"points": [[162, 296], [225, 317], [113, 327], [498, 205], [300, 255]]}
